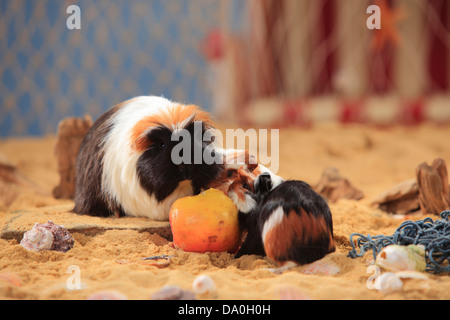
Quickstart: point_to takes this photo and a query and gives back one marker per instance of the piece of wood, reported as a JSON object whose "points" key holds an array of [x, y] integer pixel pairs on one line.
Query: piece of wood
{"points": [[434, 195], [402, 198], [429, 192], [71, 132], [334, 187]]}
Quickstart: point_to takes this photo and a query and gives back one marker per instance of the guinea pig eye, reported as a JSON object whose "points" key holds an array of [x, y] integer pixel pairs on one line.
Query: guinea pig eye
{"points": [[245, 186], [229, 173], [162, 145]]}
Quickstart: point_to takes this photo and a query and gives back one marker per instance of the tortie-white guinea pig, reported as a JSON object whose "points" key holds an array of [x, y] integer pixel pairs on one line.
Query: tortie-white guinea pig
{"points": [[285, 220], [124, 166]]}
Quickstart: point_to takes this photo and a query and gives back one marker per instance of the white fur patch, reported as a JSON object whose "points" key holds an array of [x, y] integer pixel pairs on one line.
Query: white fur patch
{"points": [[276, 180], [275, 218], [244, 206], [120, 181]]}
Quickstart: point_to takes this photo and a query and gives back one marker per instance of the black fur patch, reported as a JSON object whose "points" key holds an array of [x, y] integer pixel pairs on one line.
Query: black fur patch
{"points": [[159, 175], [89, 199], [291, 196]]}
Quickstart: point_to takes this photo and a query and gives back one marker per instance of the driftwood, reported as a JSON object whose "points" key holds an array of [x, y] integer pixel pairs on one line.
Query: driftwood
{"points": [[400, 199], [71, 132], [429, 192], [333, 186], [434, 194]]}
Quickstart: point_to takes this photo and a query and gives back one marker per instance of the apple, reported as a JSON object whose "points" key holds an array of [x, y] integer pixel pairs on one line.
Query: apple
{"points": [[207, 222]]}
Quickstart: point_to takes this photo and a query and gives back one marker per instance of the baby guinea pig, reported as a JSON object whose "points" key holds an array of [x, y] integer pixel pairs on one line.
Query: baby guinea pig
{"points": [[288, 222]]}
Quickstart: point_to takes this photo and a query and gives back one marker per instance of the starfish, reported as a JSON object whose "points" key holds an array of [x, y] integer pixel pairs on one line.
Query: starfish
{"points": [[388, 32]]}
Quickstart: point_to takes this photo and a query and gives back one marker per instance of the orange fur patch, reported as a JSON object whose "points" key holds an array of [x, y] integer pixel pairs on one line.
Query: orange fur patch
{"points": [[257, 170], [302, 228], [242, 157], [243, 176], [170, 118], [239, 176], [223, 181]]}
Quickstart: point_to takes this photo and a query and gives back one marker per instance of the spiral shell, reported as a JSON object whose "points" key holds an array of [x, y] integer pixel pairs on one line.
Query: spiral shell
{"points": [[37, 239], [399, 258], [63, 241], [203, 284], [47, 236]]}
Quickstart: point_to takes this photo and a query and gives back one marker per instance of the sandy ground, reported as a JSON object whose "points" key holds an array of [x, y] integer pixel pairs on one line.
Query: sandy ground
{"points": [[372, 159]]}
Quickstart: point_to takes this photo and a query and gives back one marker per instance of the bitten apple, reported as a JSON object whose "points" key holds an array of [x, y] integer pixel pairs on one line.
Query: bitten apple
{"points": [[207, 222]]}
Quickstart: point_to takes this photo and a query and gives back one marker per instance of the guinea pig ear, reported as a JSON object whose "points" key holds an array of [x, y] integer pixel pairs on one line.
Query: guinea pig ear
{"points": [[250, 161], [263, 183]]}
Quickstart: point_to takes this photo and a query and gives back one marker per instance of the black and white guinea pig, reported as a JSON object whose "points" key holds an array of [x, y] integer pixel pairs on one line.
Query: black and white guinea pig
{"points": [[289, 222], [124, 166]]}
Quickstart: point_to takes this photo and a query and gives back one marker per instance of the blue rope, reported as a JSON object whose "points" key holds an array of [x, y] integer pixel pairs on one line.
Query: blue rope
{"points": [[433, 235]]}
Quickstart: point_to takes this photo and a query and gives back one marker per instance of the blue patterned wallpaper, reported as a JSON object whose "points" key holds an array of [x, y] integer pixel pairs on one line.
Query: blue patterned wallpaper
{"points": [[123, 49]]}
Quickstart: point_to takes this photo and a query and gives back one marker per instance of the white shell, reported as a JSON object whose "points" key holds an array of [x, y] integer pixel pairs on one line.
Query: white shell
{"points": [[321, 267], [203, 285], [107, 295], [37, 239], [388, 282], [399, 258], [408, 274]]}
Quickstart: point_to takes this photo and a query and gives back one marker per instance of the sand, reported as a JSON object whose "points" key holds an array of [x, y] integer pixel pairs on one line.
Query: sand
{"points": [[372, 159]]}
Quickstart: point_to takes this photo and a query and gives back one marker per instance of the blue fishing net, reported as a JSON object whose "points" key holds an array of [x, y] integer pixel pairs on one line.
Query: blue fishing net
{"points": [[433, 235]]}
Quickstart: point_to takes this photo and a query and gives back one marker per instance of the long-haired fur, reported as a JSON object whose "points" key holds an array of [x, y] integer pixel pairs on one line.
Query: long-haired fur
{"points": [[124, 165]]}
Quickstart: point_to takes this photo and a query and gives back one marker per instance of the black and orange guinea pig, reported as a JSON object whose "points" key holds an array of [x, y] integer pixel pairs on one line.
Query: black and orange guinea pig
{"points": [[288, 221], [125, 165]]}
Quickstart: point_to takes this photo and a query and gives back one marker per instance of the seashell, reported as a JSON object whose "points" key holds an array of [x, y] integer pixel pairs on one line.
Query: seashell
{"points": [[107, 295], [62, 241], [399, 258], [203, 284], [388, 282], [159, 264], [170, 292], [12, 278], [321, 267], [37, 239], [293, 293], [408, 274], [47, 236]]}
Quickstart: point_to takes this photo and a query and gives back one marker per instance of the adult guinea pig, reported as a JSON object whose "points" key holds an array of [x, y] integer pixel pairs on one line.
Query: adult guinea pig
{"points": [[288, 222], [125, 165]]}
